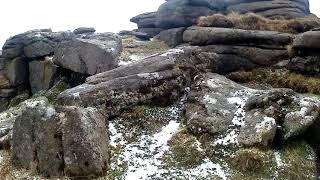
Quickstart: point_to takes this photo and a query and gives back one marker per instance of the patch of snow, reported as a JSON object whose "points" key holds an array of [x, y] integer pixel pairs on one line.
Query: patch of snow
{"points": [[50, 111], [212, 83], [236, 100], [76, 95], [208, 99], [124, 63], [33, 104], [116, 138], [172, 52], [143, 157], [230, 138], [135, 57], [266, 125], [277, 156], [304, 111], [150, 76], [206, 169]]}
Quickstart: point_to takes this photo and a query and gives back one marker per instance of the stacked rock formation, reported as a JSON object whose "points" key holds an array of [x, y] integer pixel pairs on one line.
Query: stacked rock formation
{"points": [[184, 13], [40, 58], [306, 47], [168, 114]]}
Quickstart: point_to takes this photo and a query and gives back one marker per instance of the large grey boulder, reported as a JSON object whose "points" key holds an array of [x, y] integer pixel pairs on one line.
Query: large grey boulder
{"points": [[42, 74], [145, 20], [34, 44], [306, 48], [85, 142], [151, 32], [16, 71], [61, 141], [273, 9], [8, 117], [210, 35], [255, 55], [179, 13], [4, 81], [305, 65], [307, 40], [184, 13], [84, 30], [90, 54], [235, 114], [172, 37], [159, 79]]}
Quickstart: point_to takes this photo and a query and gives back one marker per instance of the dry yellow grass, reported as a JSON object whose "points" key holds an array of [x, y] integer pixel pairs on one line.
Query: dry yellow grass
{"points": [[253, 21], [279, 78]]}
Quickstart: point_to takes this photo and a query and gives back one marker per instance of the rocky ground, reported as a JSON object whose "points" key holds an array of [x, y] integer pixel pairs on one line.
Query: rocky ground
{"points": [[226, 98]]}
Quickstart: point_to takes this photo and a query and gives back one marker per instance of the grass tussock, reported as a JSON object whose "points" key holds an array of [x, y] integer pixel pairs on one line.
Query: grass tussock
{"points": [[253, 21], [279, 78]]}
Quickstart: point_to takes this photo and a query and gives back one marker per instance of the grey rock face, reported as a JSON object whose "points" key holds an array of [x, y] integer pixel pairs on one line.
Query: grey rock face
{"points": [[41, 74], [172, 37], [16, 71], [84, 30], [145, 20], [35, 136], [85, 141], [306, 48], [3, 104], [305, 65], [239, 115], [255, 55], [309, 40], [90, 54], [272, 9], [151, 32], [34, 44], [67, 140], [149, 80], [179, 13], [184, 13], [140, 35], [208, 36]]}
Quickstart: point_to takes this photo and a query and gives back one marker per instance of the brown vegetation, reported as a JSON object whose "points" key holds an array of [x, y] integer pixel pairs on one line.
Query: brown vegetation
{"points": [[279, 78], [252, 21]]}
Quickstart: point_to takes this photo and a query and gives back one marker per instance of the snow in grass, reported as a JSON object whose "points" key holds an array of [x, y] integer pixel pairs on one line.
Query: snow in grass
{"points": [[172, 52], [150, 76], [230, 138], [277, 156], [144, 157], [116, 138], [238, 98]]}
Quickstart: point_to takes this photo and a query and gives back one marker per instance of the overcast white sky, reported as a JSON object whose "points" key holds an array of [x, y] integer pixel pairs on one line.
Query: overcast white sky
{"points": [[105, 15]]}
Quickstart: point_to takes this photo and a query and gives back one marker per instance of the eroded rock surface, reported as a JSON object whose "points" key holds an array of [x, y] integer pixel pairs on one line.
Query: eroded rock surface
{"points": [[245, 116], [91, 54]]}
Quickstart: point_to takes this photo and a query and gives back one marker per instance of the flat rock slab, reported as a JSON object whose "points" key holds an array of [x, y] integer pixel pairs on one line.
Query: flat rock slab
{"points": [[89, 54], [209, 36], [307, 40], [34, 44]]}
